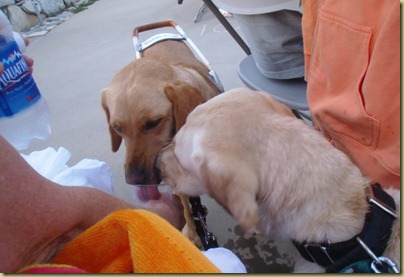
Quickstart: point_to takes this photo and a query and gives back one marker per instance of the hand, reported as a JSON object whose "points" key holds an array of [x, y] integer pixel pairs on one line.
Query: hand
{"points": [[28, 60], [30, 63], [168, 207]]}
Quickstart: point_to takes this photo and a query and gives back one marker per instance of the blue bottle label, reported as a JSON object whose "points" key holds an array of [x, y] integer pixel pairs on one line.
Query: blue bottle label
{"points": [[18, 88]]}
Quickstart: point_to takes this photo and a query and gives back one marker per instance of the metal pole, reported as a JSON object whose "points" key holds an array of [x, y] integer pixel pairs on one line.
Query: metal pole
{"points": [[227, 25]]}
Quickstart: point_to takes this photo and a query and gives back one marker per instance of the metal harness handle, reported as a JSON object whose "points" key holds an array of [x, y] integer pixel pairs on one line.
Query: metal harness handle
{"points": [[181, 36]]}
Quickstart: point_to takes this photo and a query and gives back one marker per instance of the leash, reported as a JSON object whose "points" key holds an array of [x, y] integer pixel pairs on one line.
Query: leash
{"points": [[363, 252], [199, 213]]}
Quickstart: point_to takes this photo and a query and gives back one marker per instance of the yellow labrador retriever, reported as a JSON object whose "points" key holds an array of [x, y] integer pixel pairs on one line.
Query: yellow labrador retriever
{"points": [[147, 102], [278, 176]]}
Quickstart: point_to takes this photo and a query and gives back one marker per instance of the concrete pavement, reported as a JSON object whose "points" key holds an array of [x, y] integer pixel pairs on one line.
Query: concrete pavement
{"points": [[78, 58]]}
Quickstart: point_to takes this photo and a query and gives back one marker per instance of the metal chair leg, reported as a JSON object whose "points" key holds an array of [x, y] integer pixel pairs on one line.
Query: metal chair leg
{"points": [[200, 11]]}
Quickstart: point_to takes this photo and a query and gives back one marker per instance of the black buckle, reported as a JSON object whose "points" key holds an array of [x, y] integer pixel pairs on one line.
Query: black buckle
{"points": [[381, 199], [319, 253]]}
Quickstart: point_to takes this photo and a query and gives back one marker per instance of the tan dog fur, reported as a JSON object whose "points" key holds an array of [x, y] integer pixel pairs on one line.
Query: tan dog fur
{"points": [[271, 171], [148, 101]]}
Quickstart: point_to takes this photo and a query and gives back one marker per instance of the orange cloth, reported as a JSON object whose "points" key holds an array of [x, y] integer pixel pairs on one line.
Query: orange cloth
{"points": [[352, 53], [134, 241]]}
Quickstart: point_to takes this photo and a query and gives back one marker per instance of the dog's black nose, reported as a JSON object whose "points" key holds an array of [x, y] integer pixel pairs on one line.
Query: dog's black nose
{"points": [[140, 176], [136, 175]]}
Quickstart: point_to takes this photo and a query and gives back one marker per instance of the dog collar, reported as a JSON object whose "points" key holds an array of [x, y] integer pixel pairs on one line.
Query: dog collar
{"points": [[375, 235]]}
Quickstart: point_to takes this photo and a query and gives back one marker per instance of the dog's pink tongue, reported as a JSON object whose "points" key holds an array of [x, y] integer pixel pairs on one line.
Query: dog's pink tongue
{"points": [[145, 193]]}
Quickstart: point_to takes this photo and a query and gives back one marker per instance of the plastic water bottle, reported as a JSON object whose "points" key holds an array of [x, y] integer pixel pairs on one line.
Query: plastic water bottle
{"points": [[24, 113]]}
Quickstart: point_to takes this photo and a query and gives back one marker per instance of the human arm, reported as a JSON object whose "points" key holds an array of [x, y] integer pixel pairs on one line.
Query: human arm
{"points": [[39, 217]]}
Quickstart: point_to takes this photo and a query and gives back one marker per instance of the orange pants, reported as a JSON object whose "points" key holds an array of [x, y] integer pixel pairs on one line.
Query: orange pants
{"points": [[352, 57]]}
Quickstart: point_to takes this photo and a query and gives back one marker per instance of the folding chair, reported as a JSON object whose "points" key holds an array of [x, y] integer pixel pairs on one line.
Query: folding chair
{"points": [[291, 92]]}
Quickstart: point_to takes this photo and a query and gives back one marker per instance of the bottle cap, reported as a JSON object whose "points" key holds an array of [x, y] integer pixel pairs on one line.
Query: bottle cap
{"points": [[20, 41]]}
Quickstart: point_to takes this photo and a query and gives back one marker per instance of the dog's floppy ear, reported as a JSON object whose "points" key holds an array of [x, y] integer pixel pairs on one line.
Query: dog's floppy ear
{"points": [[234, 186], [116, 139], [184, 99], [242, 204], [242, 198]]}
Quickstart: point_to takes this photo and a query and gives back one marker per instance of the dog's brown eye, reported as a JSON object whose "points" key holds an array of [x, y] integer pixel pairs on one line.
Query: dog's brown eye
{"points": [[151, 124]]}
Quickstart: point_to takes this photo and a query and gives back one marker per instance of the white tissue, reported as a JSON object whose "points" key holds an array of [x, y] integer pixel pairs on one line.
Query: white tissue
{"points": [[88, 172], [225, 260]]}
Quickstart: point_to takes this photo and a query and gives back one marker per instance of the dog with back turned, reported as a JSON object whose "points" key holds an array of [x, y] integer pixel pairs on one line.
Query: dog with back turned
{"points": [[278, 176]]}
